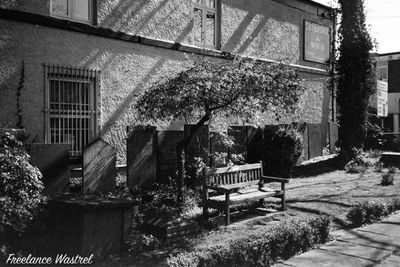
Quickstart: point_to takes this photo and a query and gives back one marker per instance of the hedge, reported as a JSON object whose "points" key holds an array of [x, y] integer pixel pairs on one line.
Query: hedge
{"points": [[262, 247]]}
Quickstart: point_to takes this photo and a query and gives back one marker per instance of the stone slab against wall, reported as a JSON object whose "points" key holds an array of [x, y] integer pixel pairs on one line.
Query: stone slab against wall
{"points": [[99, 172], [167, 161], [306, 154], [142, 155], [53, 162], [314, 140], [198, 147], [333, 135]]}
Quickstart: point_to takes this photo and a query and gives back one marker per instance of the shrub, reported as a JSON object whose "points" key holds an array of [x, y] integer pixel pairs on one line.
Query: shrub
{"points": [[139, 243], [358, 162], [387, 179], [261, 248], [20, 186], [369, 212], [282, 152]]}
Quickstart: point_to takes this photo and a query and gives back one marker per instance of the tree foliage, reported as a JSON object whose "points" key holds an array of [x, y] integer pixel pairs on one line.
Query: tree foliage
{"points": [[239, 88], [20, 186], [356, 82]]}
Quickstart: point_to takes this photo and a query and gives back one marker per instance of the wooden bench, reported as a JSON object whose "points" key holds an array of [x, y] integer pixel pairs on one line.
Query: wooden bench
{"points": [[238, 184]]}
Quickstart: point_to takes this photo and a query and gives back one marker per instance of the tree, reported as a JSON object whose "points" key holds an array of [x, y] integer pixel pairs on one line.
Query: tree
{"points": [[20, 186], [356, 81], [239, 88]]}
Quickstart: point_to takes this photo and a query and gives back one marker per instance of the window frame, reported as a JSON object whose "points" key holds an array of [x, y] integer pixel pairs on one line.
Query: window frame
{"points": [[71, 15], [78, 75], [216, 11], [386, 72]]}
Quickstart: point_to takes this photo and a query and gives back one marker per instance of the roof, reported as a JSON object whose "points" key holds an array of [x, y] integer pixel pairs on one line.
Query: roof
{"points": [[389, 54]]}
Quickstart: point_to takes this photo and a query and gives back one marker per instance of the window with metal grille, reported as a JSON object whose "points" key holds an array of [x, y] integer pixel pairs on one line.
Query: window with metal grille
{"points": [[71, 106]]}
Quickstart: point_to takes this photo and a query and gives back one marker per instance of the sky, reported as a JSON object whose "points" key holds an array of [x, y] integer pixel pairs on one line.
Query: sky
{"points": [[383, 16]]}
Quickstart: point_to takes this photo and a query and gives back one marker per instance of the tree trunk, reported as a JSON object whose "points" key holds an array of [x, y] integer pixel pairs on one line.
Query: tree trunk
{"points": [[180, 152]]}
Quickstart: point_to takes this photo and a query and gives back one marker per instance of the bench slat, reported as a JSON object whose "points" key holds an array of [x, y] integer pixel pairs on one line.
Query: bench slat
{"points": [[237, 198], [236, 168], [237, 185]]}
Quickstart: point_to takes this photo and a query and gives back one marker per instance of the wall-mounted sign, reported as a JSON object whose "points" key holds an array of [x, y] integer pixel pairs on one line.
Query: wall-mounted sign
{"points": [[382, 99], [317, 42]]}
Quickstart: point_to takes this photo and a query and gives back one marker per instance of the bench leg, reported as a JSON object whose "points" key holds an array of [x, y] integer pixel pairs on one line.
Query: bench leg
{"points": [[227, 211], [205, 212], [283, 196], [283, 201]]}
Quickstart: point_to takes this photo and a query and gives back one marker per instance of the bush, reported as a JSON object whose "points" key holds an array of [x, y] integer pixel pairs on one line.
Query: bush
{"points": [[139, 243], [358, 162], [388, 178], [282, 152], [20, 186], [261, 248], [370, 211]]}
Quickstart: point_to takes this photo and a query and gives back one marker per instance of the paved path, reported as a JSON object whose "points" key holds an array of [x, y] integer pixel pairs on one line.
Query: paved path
{"points": [[373, 245]]}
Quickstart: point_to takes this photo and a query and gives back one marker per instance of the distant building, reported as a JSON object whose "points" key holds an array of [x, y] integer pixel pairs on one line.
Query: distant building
{"points": [[388, 70], [80, 64]]}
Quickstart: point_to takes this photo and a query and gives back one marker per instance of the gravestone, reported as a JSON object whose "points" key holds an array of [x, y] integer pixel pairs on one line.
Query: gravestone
{"points": [[314, 140], [333, 135], [99, 171], [167, 161], [198, 147], [242, 135], [142, 155], [53, 162], [305, 155]]}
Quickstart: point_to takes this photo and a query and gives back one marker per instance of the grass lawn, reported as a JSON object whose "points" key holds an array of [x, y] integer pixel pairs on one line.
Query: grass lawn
{"points": [[329, 190]]}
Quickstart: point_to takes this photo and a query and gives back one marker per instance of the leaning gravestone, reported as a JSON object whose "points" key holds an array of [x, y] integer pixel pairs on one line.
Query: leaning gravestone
{"points": [[314, 140], [141, 155], [53, 162], [99, 172], [198, 147], [167, 160]]}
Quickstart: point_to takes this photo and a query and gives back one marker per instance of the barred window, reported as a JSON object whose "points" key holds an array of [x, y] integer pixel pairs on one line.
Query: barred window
{"points": [[71, 106], [205, 23]]}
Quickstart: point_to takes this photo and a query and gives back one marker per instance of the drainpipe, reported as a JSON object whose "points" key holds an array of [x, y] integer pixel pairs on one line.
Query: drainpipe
{"points": [[333, 61]]}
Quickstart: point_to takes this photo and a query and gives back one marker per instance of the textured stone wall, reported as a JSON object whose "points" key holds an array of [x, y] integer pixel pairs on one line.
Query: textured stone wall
{"points": [[261, 28], [41, 7], [129, 68], [160, 19]]}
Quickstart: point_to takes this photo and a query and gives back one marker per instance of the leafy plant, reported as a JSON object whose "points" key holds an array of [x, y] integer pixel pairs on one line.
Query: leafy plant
{"points": [[358, 163], [242, 88], [282, 152], [388, 177], [20, 186], [368, 212], [356, 74], [140, 242], [261, 248]]}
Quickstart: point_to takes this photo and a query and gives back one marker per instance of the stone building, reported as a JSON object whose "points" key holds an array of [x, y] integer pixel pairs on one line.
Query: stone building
{"points": [[76, 66], [388, 70]]}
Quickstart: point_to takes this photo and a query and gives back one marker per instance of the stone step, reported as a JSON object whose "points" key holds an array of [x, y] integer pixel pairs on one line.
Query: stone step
{"points": [[390, 158]]}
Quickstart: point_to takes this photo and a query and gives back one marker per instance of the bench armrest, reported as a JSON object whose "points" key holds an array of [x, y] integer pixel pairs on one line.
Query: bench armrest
{"points": [[275, 179]]}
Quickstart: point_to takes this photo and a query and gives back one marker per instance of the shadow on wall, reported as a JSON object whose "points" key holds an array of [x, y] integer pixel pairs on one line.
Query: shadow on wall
{"points": [[128, 69], [8, 100], [266, 29], [161, 19]]}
